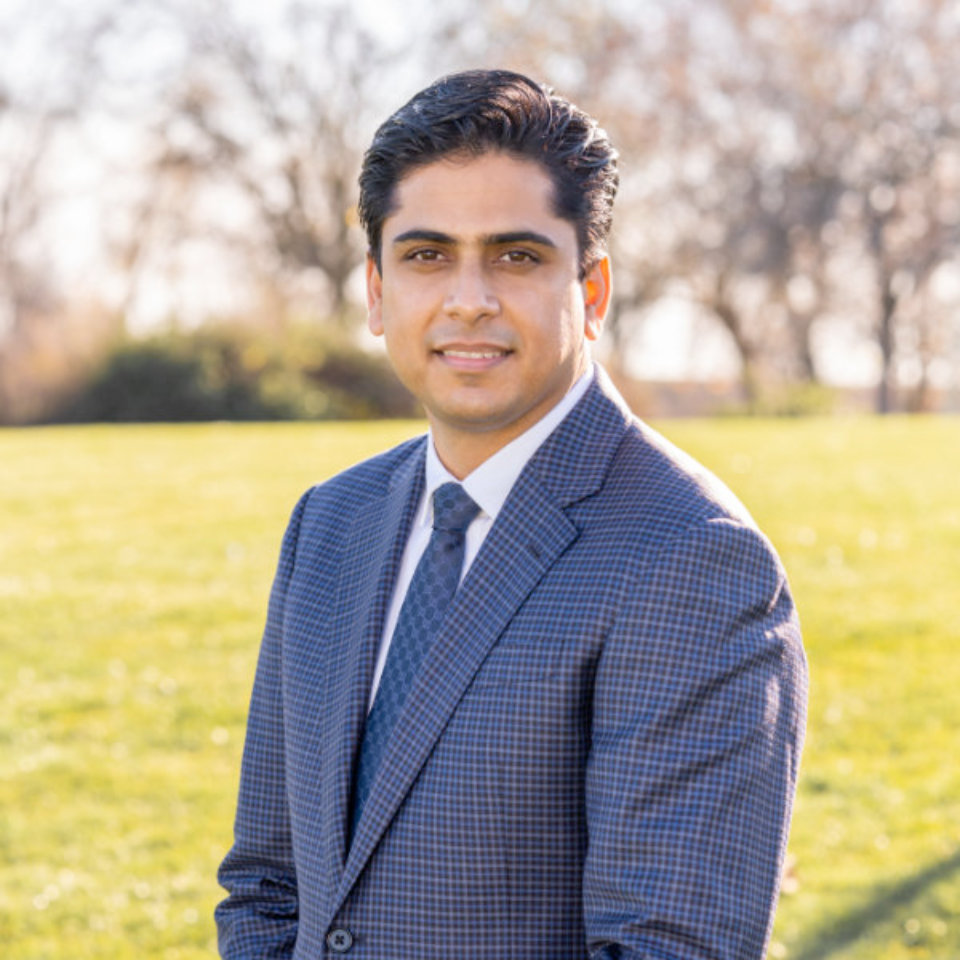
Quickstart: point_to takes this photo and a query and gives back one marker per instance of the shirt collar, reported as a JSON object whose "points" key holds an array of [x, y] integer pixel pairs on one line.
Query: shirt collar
{"points": [[491, 482]]}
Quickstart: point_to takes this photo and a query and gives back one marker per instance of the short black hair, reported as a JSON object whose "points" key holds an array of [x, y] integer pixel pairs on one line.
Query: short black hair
{"points": [[479, 111]]}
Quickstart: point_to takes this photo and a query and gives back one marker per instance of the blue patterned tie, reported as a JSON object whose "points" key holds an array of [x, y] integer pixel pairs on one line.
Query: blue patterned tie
{"points": [[428, 597]]}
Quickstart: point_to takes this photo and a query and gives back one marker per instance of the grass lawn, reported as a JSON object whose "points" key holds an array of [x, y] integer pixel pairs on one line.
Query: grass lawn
{"points": [[134, 569]]}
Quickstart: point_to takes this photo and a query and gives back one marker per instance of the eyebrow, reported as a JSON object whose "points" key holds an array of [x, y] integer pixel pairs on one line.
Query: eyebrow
{"points": [[489, 240]]}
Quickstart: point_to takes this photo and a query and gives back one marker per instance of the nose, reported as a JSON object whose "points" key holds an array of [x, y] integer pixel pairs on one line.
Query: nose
{"points": [[470, 296]]}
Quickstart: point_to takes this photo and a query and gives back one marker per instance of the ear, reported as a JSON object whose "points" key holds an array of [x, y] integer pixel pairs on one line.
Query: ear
{"points": [[596, 288], [374, 298]]}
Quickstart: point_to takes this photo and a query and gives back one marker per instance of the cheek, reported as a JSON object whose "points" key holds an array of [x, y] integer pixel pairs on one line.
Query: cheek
{"points": [[406, 307], [559, 324], [398, 341], [405, 351]]}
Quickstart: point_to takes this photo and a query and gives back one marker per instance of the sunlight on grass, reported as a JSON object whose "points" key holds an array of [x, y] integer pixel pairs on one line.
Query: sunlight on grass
{"points": [[134, 568]]}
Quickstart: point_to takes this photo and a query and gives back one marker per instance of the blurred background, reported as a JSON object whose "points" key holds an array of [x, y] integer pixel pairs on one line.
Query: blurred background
{"points": [[178, 242], [177, 187]]}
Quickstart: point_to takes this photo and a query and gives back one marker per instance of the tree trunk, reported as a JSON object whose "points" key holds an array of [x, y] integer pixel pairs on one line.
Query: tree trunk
{"points": [[888, 307]]}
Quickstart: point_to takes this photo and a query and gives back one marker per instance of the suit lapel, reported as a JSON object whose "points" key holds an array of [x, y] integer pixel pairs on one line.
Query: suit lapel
{"points": [[509, 565], [374, 546], [530, 534]]}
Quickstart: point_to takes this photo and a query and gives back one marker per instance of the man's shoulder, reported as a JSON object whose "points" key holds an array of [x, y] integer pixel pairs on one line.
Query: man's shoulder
{"points": [[367, 481], [658, 481], [658, 505], [645, 483]]}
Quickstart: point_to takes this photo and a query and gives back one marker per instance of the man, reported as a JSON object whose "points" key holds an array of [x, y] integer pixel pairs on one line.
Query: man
{"points": [[530, 686]]}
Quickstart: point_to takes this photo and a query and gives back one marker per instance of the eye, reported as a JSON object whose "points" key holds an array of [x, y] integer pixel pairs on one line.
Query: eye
{"points": [[423, 255], [519, 257]]}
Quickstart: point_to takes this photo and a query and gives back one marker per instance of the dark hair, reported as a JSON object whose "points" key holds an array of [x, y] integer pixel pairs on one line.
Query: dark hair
{"points": [[496, 110]]}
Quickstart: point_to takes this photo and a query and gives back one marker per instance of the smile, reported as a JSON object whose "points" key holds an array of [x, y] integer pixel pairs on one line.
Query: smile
{"points": [[473, 354]]}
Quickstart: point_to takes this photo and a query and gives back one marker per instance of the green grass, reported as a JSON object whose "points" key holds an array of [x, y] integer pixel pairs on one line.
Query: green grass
{"points": [[134, 569]]}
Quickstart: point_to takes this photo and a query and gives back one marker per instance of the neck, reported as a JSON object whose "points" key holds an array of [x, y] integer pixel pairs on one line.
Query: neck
{"points": [[462, 448], [461, 454]]}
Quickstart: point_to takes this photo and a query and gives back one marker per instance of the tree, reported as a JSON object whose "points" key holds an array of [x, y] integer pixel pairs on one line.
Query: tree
{"points": [[767, 146], [37, 111], [835, 132], [272, 122]]}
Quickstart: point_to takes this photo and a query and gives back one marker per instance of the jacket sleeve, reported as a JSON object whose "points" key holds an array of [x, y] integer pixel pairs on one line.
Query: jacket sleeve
{"points": [[698, 719], [259, 917]]}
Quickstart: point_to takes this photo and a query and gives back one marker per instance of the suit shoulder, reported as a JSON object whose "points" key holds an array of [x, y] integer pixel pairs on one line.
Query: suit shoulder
{"points": [[658, 481], [363, 482], [671, 521]]}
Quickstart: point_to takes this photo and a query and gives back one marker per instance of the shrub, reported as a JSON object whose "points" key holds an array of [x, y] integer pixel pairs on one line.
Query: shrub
{"points": [[224, 373]]}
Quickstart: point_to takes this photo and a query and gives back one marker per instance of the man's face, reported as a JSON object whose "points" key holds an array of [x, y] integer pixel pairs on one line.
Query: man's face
{"points": [[479, 300]]}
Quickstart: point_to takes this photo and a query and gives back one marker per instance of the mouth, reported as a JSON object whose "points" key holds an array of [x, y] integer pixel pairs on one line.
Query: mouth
{"points": [[471, 358], [477, 353]]}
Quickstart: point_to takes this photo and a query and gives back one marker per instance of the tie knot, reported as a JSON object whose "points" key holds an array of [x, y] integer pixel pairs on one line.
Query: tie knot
{"points": [[452, 508]]}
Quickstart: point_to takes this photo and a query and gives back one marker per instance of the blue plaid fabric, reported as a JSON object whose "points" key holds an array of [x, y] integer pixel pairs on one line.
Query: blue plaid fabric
{"points": [[597, 757], [427, 601]]}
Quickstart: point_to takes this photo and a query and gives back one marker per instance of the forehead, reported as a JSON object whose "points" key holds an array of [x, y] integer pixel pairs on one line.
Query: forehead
{"points": [[490, 193]]}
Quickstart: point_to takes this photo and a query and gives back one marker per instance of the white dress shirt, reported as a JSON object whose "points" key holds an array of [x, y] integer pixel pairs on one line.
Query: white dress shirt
{"points": [[488, 486]]}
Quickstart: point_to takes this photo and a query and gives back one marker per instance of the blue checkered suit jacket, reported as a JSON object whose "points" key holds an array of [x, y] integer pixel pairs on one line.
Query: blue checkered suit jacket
{"points": [[598, 757]]}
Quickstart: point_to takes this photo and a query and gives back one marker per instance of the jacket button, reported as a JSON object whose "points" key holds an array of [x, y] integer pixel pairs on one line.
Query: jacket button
{"points": [[340, 940]]}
